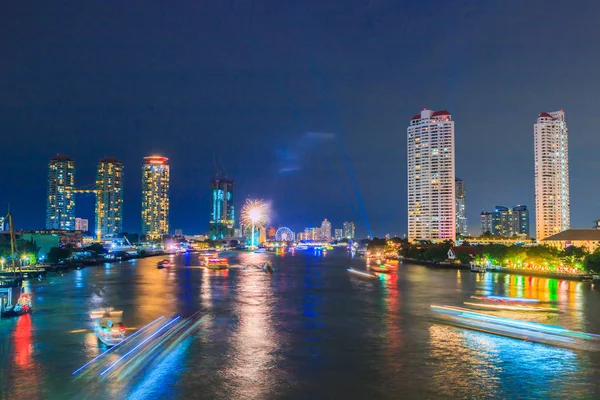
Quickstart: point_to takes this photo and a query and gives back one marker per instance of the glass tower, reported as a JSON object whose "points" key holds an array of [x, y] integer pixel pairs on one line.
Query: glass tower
{"points": [[222, 218]]}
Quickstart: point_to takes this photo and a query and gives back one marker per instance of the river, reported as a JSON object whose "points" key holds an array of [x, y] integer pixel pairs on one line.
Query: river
{"points": [[309, 330]]}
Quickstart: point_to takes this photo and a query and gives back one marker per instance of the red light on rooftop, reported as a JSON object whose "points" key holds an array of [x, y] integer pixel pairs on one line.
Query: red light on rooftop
{"points": [[157, 160]]}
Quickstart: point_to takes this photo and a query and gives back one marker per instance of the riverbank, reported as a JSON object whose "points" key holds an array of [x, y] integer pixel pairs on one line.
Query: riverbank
{"points": [[514, 271]]}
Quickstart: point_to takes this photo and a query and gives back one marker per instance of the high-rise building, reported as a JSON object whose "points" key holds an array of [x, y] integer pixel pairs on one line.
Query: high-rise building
{"points": [[314, 233], [326, 230], [520, 217], [505, 222], [222, 218], [486, 223], [551, 152], [431, 191], [155, 197], [502, 222], [461, 209], [349, 230], [338, 234], [60, 210], [82, 225], [109, 209]]}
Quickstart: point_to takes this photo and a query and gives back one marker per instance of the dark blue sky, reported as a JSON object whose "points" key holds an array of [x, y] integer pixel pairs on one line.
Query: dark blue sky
{"points": [[305, 105]]}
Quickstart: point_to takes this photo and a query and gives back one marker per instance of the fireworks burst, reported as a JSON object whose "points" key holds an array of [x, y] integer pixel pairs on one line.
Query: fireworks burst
{"points": [[255, 212]]}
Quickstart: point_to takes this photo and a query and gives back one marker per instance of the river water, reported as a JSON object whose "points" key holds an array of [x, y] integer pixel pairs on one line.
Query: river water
{"points": [[309, 330]]}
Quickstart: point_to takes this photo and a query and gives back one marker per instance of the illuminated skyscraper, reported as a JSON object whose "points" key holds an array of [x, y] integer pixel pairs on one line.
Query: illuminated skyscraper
{"points": [[551, 152], [155, 197], [109, 209], [461, 207], [326, 230], [349, 230], [60, 210], [222, 218], [338, 234], [431, 191]]}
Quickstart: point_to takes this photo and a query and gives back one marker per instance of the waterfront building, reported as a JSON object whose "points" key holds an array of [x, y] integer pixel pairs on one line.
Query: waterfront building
{"points": [[486, 223], [338, 234], [222, 217], [461, 210], [82, 225], [349, 230], [431, 186], [271, 233], [551, 153], [520, 217], [589, 239], [314, 233], [67, 238], [60, 204], [325, 230], [109, 206], [155, 197]]}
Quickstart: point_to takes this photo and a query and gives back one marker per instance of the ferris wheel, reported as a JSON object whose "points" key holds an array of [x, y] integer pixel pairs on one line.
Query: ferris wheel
{"points": [[284, 234]]}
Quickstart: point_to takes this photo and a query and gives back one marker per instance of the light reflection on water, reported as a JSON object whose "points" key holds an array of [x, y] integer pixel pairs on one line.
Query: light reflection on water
{"points": [[308, 330]]}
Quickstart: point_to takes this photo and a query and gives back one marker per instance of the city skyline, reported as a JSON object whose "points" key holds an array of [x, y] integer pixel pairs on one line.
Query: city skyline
{"points": [[315, 132]]}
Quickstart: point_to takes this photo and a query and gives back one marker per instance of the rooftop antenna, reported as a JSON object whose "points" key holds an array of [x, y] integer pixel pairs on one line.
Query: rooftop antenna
{"points": [[215, 164]]}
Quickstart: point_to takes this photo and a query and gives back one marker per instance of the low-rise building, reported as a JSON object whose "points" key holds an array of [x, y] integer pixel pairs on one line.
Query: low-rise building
{"points": [[73, 239], [589, 239]]}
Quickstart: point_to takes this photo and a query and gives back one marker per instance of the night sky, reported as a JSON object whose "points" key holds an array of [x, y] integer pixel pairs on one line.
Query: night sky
{"points": [[304, 105]]}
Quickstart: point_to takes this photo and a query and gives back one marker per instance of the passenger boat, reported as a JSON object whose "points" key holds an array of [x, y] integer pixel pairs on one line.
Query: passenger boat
{"points": [[22, 307], [260, 250], [108, 326], [163, 264], [217, 263], [380, 268]]}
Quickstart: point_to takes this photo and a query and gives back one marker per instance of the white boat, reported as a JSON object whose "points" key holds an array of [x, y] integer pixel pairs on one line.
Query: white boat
{"points": [[108, 326], [478, 268]]}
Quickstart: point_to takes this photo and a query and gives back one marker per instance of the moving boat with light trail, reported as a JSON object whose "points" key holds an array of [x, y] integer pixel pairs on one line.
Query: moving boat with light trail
{"points": [[108, 326]]}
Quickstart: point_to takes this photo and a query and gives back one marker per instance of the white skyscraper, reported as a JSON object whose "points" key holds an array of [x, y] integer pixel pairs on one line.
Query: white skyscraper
{"points": [[326, 230], [431, 190], [551, 152]]}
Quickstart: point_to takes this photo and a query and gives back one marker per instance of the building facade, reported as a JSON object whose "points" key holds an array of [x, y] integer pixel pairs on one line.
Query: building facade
{"points": [[222, 217], [461, 207], [338, 234], [431, 186], [60, 205], [109, 207], [348, 230], [82, 225], [520, 217], [502, 222], [551, 154], [486, 222], [326, 230], [155, 196], [506, 222]]}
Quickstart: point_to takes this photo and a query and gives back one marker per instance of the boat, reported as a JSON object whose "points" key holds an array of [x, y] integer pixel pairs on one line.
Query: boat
{"points": [[260, 250], [163, 264], [478, 268], [217, 263], [22, 307], [361, 274], [503, 299], [517, 329], [268, 267], [302, 247], [380, 268], [108, 326]]}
